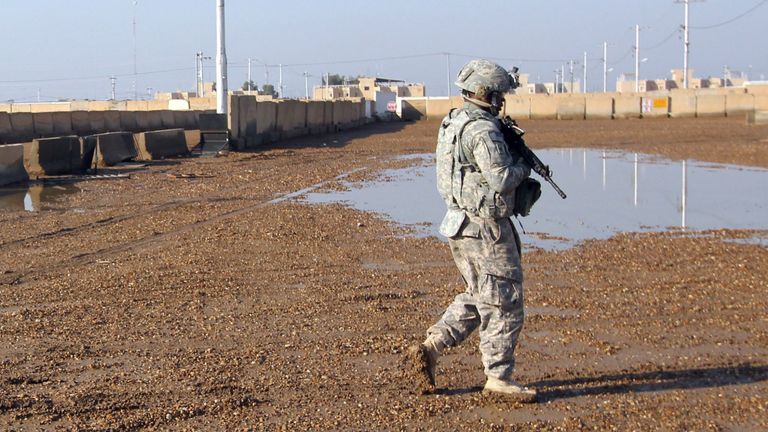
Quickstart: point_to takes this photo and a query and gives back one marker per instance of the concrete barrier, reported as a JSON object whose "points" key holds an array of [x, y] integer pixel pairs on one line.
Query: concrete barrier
{"points": [[167, 120], [137, 106], [192, 138], [128, 121], [598, 107], [99, 106], [97, 120], [43, 124], [543, 107], [412, 109], [6, 130], [154, 120], [626, 107], [185, 119], [53, 156], [112, 121], [291, 118], [655, 106], [439, 107], [112, 148], [517, 106], [23, 126], [761, 102], [757, 118], [12, 164], [682, 104], [739, 104], [161, 144], [62, 123], [710, 105], [572, 107], [81, 123], [316, 117], [243, 122]]}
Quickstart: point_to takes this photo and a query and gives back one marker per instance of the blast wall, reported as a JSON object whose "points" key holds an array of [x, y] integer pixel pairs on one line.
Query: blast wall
{"points": [[21, 127], [12, 164]]}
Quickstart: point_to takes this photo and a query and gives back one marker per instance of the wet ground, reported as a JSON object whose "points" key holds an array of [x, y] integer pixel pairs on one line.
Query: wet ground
{"points": [[204, 294]]}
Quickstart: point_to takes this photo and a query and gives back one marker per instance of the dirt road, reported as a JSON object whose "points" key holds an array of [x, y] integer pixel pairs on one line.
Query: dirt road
{"points": [[216, 302]]}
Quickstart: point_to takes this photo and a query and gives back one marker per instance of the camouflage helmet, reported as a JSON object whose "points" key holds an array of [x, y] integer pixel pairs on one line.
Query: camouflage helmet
{"points": [[483, 77]]}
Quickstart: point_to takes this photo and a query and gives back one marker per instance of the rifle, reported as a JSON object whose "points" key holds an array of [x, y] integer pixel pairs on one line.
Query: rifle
{"points": [[513, 135]]}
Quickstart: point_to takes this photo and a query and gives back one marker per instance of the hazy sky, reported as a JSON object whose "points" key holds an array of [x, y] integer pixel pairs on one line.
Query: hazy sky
{"points": [[69, 48]]}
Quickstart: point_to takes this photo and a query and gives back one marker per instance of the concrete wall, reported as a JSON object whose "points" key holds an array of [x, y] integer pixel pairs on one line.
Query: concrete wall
{"points": [[710, 105], [655, 105], [573, 107], [682, 104], [160, 144], [517, 107], [598, 107], [543, 107], [12, 164], [739, 104], [112, 148], [626, 107], [53, 156]]}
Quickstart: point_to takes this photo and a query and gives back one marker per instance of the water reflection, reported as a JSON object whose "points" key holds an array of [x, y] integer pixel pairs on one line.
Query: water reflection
{"points": [[642, 193], [32, 198]]}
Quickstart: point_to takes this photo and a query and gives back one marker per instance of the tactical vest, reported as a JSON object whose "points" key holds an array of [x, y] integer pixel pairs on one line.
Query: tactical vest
{"points": [[459, 181]]}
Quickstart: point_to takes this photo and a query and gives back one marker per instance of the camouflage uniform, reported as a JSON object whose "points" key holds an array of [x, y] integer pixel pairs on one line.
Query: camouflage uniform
{"points": [[478, 185]]}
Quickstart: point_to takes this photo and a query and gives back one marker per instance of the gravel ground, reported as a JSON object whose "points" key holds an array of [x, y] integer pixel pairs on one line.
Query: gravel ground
{"points": [[217, 302]]}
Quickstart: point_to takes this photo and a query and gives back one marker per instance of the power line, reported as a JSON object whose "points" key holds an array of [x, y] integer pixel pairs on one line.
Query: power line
{"points": [[665, 40], [732, 19], [99, 77]]}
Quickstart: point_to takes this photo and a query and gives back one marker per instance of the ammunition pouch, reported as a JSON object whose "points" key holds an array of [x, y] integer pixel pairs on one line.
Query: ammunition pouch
{"points": [[526, 195]]}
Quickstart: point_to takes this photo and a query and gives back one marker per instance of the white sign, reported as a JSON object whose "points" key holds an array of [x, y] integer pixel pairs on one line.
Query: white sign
{"points": [[392, 106]]}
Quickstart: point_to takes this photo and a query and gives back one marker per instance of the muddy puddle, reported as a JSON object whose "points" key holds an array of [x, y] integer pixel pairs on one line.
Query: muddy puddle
{"points": [[33, 198], [608, 192]]}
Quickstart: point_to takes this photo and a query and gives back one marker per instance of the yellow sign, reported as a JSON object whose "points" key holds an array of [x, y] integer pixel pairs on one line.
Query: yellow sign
{"points": [[660, 103]]}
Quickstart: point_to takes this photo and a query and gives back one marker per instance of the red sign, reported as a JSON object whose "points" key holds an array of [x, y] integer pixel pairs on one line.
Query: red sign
{"points": [[392, 106]]}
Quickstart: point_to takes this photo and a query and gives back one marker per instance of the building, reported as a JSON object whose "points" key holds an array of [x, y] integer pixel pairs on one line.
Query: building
{"points": [[368, 87]]}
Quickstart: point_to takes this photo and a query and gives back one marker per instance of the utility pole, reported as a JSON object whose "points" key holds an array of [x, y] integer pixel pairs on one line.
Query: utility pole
{"points": [[38, 95], [200, 76], [584, 90], [221, 61], [557, 80], [135, 73], [448, 73], [686, 40], [562, 78], [306, 85], [113, 80], [637, 58], [570, 67], [605, 66], [280, 82], [249, 74], [149, 92]]}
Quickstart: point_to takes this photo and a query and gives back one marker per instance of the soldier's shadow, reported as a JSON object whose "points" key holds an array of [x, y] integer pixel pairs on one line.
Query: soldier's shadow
{"points": [[654, 381], [639, 382]]}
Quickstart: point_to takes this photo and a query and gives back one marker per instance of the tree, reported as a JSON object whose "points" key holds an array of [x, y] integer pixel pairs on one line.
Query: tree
{"points": [[268, 89], [250, 85], [336, 79]]}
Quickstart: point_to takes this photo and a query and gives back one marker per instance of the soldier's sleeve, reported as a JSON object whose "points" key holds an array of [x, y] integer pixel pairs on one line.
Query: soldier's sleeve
{"points": [[502, 172]]}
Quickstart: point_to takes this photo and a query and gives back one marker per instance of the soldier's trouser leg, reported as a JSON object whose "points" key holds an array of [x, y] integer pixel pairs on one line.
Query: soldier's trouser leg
{"points": [[499, 330], [493, 301], [459, 320]]}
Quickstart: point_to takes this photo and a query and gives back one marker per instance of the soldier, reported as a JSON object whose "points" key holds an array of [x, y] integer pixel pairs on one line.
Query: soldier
{"points": [[477, 175]]}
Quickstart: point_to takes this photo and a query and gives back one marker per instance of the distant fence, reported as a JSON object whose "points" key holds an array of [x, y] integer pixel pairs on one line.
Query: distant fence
{"points": [[676, 103]]}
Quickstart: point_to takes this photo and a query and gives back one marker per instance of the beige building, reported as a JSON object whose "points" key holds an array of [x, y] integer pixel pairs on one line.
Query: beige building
{"points": [[367, 87]]}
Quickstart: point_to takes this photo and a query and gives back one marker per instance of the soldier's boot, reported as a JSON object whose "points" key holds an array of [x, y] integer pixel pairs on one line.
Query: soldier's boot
{"points": [[422, 359], [511, 389]]}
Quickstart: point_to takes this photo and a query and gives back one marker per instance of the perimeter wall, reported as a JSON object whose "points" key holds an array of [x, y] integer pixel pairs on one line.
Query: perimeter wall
{"points": [[719, 102]]}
